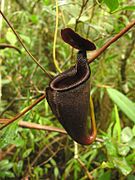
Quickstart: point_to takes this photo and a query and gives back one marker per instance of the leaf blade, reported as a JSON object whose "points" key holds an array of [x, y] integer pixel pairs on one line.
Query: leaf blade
{"points": [[112, 4], [126, 105]]}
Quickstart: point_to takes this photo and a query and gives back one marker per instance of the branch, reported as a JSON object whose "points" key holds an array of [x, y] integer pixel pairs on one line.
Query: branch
{"points": [[18, 99], [45, 148], [24, 111], [3, 46], [41, 127], [85, 169], [115, 38], [84, 3], [76, 156], [30, 125]]}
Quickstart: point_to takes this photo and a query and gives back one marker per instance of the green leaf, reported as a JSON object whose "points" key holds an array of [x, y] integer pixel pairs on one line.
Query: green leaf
{"points": [[69, 167], [117, 127], [46, 2], [27, 153], [18, 167], [5, 81], [111, 150], [6, 174], [11, 37], [131, 177], [5, 165], [107, 165], [25, 38], [18, 141], [126, 135], [56, 172], [8, 134], [123, 149], [132, 143], [130, 8], [112, 4], [109, 130], [38, 171], [122, 164], [105, 176], [34, 19], [133, 130], [125, 104], [131, 158], [82, 19]]}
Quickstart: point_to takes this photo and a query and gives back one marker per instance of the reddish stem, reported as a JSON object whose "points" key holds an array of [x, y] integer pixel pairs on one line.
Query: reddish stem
{"points": [[115, 38]]}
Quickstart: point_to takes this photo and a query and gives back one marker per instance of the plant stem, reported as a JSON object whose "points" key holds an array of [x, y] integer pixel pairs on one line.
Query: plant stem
{"points": [[115, 38], [24, 111], [55, 38], [31, 125], [3, 46]]}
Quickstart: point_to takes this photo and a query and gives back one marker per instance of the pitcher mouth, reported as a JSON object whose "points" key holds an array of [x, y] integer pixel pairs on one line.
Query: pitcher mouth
{"points": [[70, 78]]}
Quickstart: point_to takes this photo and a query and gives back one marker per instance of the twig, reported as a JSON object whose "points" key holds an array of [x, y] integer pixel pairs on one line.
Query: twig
{"points": [[18, 99], [39, 155], [84, 3], [30, 125], [115, 38], [85, 169], [76, 156], [24, 111], [51, 157], [41, 127], [28, 52], [3, 46], [46, 147], [99, 140], [9, 105]]}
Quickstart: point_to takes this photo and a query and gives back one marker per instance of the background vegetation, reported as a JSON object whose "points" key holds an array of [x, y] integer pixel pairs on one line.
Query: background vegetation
{"points": [[50, 155]]}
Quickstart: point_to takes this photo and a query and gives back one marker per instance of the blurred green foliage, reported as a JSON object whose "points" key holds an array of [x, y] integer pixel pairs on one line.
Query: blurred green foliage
{"points": [[50, 155]]}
